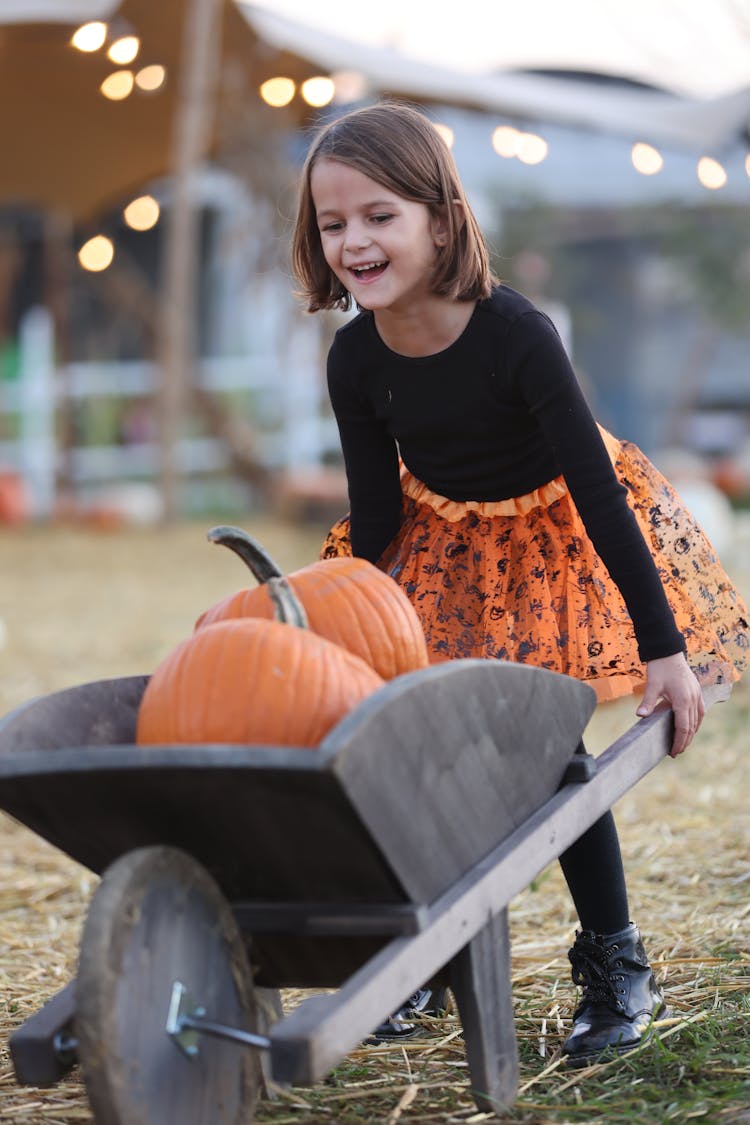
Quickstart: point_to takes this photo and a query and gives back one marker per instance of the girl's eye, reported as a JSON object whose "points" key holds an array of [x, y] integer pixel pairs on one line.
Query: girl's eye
{"points": [[332, 227], [381, 218]]}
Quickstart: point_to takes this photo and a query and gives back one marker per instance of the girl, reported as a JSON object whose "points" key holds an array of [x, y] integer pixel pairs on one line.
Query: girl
{"points": [[479, 480]]}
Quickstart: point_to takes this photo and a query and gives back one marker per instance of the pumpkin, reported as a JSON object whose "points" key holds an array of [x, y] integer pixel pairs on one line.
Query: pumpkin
{"points": [[347, 600], [14, 506], [252, 681]]}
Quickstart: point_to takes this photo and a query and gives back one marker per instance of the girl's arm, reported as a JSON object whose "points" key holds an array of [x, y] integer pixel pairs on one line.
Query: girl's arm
{"points": [[371, 462], [545, 379]]}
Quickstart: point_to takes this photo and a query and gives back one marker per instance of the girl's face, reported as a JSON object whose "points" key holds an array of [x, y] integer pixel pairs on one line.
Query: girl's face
{"points": [[381, 247]]}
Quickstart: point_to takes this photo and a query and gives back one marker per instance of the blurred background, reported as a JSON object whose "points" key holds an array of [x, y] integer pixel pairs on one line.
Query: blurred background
{"points": [[155, 363]]}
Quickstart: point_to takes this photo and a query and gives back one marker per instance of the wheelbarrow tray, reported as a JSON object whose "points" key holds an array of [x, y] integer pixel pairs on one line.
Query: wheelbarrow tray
{"points": [[409, 791]]}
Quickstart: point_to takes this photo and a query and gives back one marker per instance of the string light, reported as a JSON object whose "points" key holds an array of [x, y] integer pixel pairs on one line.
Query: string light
{"points": [[531, 148], [505, 140], [123, 50], [318, 91], [96, 254], [89, 36], [646, 159], [277, 92], [118, 85], [150, 78], [142, 213], [711, 174]]}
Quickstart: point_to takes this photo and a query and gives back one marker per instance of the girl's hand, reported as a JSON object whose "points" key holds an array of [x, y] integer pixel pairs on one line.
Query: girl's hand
{"points": [[671, 679]]}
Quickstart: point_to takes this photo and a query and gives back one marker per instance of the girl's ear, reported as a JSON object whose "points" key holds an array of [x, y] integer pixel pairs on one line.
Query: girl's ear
{"points": [[440, 225]]}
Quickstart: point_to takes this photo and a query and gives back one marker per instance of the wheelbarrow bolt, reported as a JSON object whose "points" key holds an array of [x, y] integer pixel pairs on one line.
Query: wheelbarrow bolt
{"points": [[65, 1047], [186, 1023]]}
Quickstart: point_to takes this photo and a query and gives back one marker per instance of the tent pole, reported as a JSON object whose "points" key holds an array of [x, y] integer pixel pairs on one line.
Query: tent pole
{"points": [[176, 340]]}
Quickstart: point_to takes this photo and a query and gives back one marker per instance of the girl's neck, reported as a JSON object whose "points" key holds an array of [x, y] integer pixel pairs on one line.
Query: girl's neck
{"points": [[425, 330]]}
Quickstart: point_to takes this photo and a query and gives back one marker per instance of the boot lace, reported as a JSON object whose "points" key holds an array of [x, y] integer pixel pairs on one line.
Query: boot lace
{"points": [[593, 970]]}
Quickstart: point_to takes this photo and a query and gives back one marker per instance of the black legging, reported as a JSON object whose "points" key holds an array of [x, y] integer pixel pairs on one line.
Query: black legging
{"points": [[593, 870]]}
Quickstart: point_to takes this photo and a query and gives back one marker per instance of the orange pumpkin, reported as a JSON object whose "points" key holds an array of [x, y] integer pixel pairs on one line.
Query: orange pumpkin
{"points": [[14, 506], [252, 681], [347, 600]]}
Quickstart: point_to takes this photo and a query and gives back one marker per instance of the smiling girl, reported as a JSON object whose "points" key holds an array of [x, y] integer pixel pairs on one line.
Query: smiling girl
{"points": [[479, 480]]}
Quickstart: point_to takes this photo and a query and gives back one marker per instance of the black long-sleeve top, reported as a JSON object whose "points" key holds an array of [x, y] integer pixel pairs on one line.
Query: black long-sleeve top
{"points": [[495, 415]]}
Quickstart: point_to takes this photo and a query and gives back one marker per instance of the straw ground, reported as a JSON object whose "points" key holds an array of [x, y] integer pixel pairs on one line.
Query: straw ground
{"points": [[78, 605]]}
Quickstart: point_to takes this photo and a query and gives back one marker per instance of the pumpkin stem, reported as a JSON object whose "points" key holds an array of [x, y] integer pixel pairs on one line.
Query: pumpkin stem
{"points": [[248, 549], [287, 606]]}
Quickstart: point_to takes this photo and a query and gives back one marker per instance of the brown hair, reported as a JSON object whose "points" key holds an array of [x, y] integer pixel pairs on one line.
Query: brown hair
{"points": [[398, 147]]}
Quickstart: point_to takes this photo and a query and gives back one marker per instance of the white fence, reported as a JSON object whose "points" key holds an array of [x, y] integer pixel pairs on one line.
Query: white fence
{"points": [[293, 428]]}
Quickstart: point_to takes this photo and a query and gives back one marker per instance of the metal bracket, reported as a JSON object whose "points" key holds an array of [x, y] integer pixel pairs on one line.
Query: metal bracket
{"points": [[186, 1022], [581, 767]]}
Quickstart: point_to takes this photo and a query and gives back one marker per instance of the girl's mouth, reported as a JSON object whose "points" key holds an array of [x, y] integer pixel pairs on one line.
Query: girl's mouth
{"points": [[368, 272]]}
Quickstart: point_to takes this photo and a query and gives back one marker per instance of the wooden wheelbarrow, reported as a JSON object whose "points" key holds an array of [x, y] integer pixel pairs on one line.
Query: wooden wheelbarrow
{"points": [[382, 859]]}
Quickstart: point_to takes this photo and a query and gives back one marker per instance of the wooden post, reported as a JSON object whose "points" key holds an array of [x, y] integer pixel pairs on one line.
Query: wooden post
{"points": [[37, 408], [176, 334], [59, 263]]}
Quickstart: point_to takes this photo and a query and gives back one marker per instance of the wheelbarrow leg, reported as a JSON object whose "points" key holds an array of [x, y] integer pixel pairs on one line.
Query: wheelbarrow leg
{"points": [[479, 978]]}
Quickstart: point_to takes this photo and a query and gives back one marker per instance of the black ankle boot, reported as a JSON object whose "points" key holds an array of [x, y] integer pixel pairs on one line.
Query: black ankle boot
{"points": [[427, 1001], [620, 1000]]}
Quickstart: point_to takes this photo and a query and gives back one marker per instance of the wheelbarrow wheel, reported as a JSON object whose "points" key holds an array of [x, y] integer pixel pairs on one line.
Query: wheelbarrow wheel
{"points": [[159, 924]]}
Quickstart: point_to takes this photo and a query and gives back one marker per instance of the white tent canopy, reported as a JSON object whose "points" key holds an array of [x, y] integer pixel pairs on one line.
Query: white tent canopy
{"points": [[658, 116], [697, 48]]}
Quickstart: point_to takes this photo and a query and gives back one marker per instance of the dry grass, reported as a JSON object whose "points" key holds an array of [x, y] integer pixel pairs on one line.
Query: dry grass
{"points": [[79, 606]]}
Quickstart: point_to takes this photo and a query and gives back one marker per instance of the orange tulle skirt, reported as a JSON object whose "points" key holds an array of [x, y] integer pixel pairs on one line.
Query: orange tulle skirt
{"points": [[499, 580]]}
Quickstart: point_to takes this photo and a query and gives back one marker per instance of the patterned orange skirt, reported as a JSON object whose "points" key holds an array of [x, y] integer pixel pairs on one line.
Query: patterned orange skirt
{"points": [[499, 580]]}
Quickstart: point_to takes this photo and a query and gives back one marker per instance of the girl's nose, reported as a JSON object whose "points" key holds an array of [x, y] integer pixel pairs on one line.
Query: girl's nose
{"points": [[357, 237]]}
